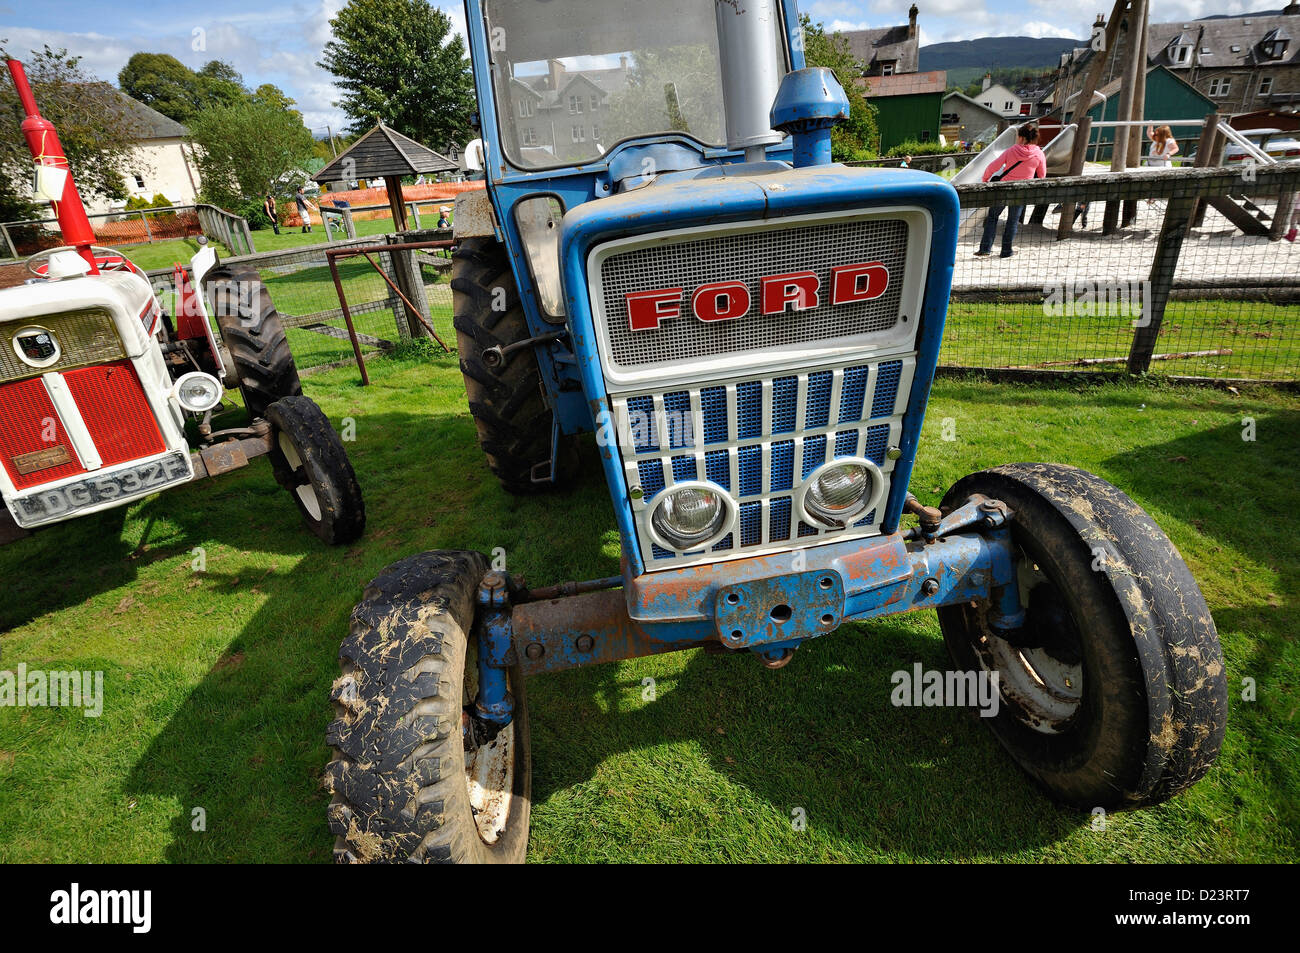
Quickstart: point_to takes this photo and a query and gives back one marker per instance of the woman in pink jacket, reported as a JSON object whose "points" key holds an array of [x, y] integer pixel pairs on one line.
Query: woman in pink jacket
{"points": [[1022, 161]]}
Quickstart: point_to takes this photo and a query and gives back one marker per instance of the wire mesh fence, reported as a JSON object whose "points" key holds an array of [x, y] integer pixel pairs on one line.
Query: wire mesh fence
{"points": [[1181, 273], [302, 288]]}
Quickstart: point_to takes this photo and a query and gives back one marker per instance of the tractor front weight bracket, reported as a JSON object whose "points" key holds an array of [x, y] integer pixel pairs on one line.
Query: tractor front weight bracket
{"points": [[766, 605]]}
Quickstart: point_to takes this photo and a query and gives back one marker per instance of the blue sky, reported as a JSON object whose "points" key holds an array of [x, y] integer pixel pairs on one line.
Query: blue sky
{"points": [[279, 41]]}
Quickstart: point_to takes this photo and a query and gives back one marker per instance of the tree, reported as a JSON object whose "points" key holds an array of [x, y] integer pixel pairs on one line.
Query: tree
{"points": [[162, 82], [94, 123], [244, 149], [395, 64], [859, 136], [219, 84]]}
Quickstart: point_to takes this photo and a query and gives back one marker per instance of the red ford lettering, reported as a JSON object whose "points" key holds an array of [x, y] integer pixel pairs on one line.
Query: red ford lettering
{"points": [[850, 283], [645, 309], [799, 288], [721, 301]]}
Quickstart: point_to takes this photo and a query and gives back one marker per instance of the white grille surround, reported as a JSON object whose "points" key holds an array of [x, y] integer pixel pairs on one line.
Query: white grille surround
{"points": [[758, 438], [684, 348]]}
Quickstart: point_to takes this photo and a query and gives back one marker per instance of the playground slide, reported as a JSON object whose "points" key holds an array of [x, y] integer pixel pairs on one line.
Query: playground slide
{"points": [[974, 172]]}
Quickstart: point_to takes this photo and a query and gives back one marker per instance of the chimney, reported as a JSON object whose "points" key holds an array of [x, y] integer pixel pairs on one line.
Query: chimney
{"points": [[988, 80], [911, 22], [556, 70]]}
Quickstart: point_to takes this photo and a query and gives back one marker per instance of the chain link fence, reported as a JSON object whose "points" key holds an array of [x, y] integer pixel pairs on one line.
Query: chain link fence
{"points": [[1182, 273]]}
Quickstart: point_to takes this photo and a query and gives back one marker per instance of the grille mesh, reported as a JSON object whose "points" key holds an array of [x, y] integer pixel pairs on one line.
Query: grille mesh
{"points": [[86, 337], [748, 256], [782, 430]]}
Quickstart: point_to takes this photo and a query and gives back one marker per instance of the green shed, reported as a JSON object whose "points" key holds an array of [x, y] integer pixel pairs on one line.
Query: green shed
{"points": [[1168, 100], [908, 106]]}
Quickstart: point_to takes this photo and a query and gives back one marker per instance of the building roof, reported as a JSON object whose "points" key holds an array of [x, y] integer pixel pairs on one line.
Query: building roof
{"points": [[905, 84], [891, 43], [147, 122], [1227, 42], [382, 152], [550, 87], [957, 94]]}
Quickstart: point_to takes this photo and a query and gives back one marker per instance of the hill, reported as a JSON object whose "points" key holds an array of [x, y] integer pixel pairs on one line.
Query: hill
{"points": [[993, 52]]}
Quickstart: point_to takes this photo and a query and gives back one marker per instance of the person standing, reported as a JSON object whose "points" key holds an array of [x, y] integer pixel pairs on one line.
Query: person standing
{"points": [[268, 206], [1022, 161], [304, 209], [1163, 146]]}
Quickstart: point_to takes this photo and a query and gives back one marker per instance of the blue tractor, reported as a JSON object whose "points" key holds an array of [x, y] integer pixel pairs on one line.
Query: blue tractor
{"points": [[665, 255]]}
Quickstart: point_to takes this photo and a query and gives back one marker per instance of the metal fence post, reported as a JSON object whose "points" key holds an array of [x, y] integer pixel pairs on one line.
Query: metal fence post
{"points": [[1178, 221]]}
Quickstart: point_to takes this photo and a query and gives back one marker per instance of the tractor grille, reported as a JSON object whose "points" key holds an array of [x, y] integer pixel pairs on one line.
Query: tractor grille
{"points": [[747, 256], [759, 438], [112, 404], [86, 337]]}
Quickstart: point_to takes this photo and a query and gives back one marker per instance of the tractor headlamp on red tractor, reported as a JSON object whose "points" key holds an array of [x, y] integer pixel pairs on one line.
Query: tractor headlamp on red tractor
{"points": [[751, 331]]}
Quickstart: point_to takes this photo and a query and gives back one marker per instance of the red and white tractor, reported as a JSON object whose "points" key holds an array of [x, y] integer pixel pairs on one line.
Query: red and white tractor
{"points": [[98, 386]]}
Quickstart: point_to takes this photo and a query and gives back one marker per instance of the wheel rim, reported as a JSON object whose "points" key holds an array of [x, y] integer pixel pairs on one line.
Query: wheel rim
{"points": [[303, 489], [489, 761], [490, 776], [1044, 691]]}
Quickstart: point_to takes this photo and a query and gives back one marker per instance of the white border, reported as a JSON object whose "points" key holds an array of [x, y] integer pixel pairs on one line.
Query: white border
{"points": [[37, 328]]}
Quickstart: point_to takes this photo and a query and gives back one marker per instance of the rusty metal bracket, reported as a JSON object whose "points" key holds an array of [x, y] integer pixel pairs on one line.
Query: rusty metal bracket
{"points": [[230, 455]]}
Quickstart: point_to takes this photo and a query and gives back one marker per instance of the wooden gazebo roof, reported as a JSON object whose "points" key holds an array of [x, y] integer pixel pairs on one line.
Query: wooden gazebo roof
{"points": [[384, 152]]}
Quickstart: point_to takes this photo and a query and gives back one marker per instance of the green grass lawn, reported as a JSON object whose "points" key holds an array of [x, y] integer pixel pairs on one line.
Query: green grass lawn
{"points": [[216, 682]]}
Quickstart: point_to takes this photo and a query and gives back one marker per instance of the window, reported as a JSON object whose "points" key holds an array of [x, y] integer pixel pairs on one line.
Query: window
{"points": [[575, 105], [139, 180], [1182, 55], [925, 135], [525, 108], [1008, 107], [578, 133], [529, 135], [1220, 88], [595, 133], [1265, 85], [887, 69], [1025, 108], [595, 102]]}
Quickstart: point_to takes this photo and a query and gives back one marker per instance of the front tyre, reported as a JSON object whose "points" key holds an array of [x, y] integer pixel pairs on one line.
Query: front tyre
{"points": [[1113, 693], [309, 461], [413, 775]]}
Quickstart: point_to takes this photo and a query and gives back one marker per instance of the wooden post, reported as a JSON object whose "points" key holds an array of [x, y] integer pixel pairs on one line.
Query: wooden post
{"points": [[1093, 77], [248, 236], [1282, 217], [407, 277], [148, 232], [1119, 147], [1205, 159], [1178, 218], [1076, 168], [393, 183], [9, 241], [1137, 135], [348, 225]]}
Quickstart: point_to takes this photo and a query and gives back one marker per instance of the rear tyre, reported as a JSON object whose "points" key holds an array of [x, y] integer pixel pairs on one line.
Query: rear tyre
{"points": [[411, 777], [508, 402], [1113, 694], [309, 461], [254, 334]]}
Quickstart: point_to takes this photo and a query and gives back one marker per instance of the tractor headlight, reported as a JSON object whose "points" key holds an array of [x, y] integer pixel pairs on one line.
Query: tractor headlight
{"points": [[841, 490], [198, 392], [690, 516]]}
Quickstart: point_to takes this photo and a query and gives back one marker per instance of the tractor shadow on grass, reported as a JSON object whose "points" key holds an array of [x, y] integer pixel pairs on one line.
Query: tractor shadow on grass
{"points": [[247, 744], [1243, 495]]}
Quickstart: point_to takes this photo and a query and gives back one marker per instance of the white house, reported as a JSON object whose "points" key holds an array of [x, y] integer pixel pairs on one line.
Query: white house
{"points": [[1001, 100], [161, 161]]}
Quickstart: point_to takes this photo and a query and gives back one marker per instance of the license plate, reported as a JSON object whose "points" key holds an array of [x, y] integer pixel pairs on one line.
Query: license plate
{"points": [[59, 502]]}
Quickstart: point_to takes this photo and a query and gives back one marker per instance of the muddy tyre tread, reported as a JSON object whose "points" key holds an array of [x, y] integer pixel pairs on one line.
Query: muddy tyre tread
{"points": [[259, 348], [508, 403], [1164, 655], [397, 771]]}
